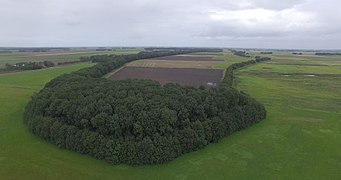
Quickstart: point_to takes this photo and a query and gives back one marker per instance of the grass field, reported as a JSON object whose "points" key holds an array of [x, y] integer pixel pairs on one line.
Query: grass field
{"points": [[59, 56], [300, 139]]}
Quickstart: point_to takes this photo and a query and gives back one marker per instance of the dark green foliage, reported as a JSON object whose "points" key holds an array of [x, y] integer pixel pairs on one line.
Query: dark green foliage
{"points": [[266, 52], [229, 76], [296, 53], [71, 62], [136, 121], [84, 59], [40, 65], [260, 59], [48, 64], [240, 53], [28, 66], [327, 54], [47, 49]]}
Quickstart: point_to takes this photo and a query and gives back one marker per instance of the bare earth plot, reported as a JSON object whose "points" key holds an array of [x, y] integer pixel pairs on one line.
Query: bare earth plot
{"points": [[207, 54], [173, 64], [197, 55], [182, 76]]}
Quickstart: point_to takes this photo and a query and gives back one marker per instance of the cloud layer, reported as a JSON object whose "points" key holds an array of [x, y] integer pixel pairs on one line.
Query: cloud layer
{"points": [[310, 24]]}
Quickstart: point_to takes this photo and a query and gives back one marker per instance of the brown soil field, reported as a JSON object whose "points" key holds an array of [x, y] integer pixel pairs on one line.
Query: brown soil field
{"points": [[182, 76], [188, 58], [173, 64], [207, 54], [196, 55]]}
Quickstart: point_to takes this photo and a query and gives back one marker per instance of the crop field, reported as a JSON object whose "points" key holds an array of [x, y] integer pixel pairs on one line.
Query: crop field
{"points": [[174, 64], [208, 54], [186, 69], [183, 76], [201, 57], [58, 56], [300, 138], [195, 60]]}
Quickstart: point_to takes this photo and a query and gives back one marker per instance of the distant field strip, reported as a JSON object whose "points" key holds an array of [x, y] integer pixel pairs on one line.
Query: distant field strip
{"points": [[59, 56], [174, 64], [189, 58]]}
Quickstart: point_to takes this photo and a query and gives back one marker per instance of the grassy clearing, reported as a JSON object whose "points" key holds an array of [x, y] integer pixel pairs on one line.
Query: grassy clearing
{"points": [[300, 139]]}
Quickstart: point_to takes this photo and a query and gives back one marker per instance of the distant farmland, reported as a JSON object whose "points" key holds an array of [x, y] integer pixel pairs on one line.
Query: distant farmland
{"points": [[56, 56], [195, 57], [174, 64], [185, 69]]}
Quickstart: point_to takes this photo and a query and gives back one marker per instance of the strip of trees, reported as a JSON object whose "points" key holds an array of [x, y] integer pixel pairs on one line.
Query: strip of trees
{"points": [[136, 121], [266, 52], [327, 54], [28, 65], [240, 53], [229, 72], [40, 65], [297, 53]]}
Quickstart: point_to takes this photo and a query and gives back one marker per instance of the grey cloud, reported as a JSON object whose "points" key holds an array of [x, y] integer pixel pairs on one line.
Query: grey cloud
{"points": [[278, 5], [229, 23]]}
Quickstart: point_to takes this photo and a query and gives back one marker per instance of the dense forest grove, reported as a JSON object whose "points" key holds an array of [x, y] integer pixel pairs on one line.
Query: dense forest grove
{"points": [[137, 122]]}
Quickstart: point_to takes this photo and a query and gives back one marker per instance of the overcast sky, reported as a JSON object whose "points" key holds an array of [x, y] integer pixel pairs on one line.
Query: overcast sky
{"points": [[312, 24]]}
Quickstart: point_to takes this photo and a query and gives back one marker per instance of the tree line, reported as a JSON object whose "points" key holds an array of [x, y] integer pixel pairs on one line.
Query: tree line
{"points": [[327, 54], [297, 53], [39, 65], [136, 121], [229, 72], [266, 52], [28, 65], [240, 53]]}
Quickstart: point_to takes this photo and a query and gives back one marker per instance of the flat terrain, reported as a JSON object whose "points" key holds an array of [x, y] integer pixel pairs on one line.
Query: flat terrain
{"points": [[185, 69], [189, 58], [300, 139], [195, 60], [55, 56], [174, 64], [208, 54], [183, 76]]}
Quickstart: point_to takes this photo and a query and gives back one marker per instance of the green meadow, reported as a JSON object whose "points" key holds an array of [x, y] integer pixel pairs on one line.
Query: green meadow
{"points": [[300, 138]]}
